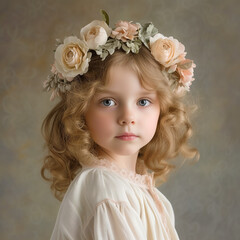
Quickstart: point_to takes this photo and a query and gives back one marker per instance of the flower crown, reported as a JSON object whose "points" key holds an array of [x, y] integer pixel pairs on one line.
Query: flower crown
{"points": [[72, 56]]}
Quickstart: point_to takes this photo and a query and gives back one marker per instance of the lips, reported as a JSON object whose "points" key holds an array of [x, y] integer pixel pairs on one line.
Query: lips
{"points": [[127, 136]]}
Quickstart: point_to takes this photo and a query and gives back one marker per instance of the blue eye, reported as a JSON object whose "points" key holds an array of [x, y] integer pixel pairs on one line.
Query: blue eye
{"points": [[144, 102], [108, 102]]}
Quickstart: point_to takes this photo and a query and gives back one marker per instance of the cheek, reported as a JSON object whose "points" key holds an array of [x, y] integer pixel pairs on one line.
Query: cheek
{"points": [[150, 123], [99, 123]]}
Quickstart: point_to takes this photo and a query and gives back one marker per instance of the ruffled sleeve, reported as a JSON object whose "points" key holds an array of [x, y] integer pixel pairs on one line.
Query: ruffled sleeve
{"points": [[114, 220]]}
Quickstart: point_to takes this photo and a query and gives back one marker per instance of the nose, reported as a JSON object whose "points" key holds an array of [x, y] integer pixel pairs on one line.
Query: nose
{"points": [[126, 116]]}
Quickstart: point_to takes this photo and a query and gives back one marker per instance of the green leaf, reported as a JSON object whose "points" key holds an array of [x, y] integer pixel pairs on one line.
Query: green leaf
{"points": [[105, 16], [151, 30], [148, 30], [111, 51], [104, 55], [125, 48]]}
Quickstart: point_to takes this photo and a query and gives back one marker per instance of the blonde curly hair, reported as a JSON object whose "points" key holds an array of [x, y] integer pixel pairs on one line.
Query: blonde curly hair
{"points": [[67, 137]]}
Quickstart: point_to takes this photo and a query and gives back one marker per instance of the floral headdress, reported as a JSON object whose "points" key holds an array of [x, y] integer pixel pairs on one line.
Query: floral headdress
{"points": [[72, 56]]}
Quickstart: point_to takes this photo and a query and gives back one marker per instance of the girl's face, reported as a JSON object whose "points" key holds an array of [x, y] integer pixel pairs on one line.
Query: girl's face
{"points": [[123, 117]]}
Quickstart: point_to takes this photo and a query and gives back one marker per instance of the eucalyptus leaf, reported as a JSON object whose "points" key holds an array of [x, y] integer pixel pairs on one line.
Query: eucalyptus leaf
{"points": [[151, 30], [125, 48], [111, 51], [104, 55], [148, 30]]}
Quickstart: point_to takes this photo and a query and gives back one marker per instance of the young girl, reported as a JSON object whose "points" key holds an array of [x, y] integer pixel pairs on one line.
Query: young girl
{"points": [[119, 121]]}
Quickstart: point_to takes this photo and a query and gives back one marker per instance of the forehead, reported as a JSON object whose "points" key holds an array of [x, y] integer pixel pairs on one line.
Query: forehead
{"points": [[126, 77]]}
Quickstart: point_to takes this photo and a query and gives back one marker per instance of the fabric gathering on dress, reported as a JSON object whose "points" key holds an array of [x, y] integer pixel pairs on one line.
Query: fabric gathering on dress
{"points": [[107, 202]]}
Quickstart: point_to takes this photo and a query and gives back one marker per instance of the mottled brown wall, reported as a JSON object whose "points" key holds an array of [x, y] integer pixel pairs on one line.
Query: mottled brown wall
{"points": [[205, 196]]}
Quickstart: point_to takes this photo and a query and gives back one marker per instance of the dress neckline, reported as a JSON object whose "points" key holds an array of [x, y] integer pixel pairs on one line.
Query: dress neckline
{"points": [[141, 177]]}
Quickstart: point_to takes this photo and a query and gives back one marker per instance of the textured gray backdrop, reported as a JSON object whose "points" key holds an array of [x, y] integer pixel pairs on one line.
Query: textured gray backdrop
{"points": [[205, 195]]}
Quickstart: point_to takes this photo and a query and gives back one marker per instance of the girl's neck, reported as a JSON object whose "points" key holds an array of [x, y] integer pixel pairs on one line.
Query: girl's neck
{"points": [[127, 162]]}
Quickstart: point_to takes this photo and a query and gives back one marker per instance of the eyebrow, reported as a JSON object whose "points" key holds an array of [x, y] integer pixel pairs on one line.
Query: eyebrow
{"points": [[116, 93]]}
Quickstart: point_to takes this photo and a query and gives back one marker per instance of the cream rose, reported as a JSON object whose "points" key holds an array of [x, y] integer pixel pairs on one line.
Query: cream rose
{"points": [[95, 33], [125, 30], [72, 58], [167, 51]]}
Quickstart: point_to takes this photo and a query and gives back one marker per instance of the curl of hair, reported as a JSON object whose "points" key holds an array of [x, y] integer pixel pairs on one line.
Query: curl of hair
{"points": [[67, 137]]}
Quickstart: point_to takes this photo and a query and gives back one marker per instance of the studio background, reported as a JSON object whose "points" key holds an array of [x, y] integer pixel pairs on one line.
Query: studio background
{"points": [[205, 195]]}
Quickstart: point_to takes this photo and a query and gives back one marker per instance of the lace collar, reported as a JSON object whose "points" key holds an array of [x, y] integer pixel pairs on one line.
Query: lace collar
{"points": [[142, 177]]}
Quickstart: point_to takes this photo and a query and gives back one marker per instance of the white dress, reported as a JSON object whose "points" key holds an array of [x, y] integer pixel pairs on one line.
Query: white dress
{"points": [[106, 202]]}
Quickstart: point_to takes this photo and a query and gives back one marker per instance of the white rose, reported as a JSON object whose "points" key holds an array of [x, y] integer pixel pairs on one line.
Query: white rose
{"points": [[167, 51], [95, 33], [72, 58]]}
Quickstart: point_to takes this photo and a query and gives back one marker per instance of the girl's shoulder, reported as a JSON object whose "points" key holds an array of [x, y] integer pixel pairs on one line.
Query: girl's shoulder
{"points": [[94, 184], [89, 188]]}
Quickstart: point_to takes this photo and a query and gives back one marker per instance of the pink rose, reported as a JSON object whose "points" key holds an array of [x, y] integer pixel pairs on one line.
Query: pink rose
{"points": [[125, 31], [167, 51], [54, 70], [185, 70]]}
